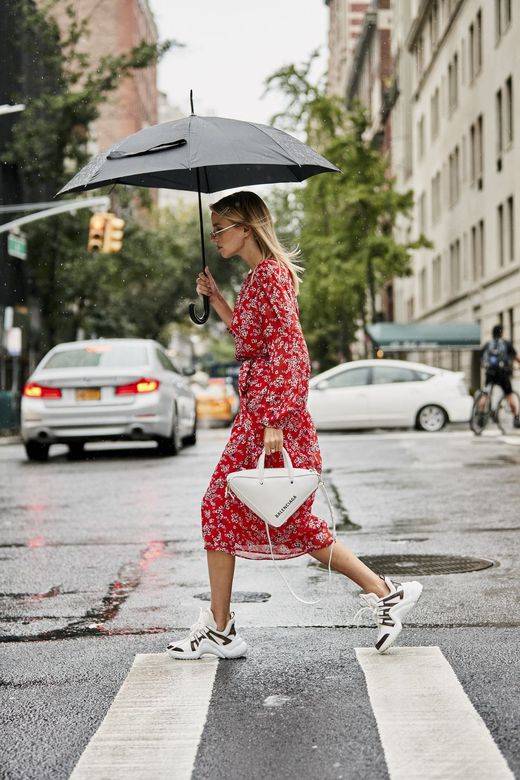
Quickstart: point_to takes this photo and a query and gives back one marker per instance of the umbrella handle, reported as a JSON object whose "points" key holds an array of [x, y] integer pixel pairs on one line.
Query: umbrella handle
{"points": [[203, 317]]}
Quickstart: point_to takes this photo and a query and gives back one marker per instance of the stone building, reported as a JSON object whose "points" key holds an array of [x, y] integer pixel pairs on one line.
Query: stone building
{"points": [[345, 24], [456, 147]]}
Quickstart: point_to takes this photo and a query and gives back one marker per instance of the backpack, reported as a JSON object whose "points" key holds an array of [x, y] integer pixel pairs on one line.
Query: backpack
{"points": [[496, 356]]}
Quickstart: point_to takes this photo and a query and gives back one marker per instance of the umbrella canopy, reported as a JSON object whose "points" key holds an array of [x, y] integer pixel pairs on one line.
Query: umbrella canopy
{"points": [[202, 154], [205, 154]]}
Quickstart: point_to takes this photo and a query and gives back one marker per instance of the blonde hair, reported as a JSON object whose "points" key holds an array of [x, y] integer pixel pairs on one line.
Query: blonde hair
{"points": [[248, 208]]}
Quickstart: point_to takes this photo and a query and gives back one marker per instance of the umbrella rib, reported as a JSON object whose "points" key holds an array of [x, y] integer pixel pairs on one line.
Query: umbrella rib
{"points": [[251, 124]]}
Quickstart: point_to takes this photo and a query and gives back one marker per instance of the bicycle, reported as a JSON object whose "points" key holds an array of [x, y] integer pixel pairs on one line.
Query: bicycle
{"points": [[496, 408]]}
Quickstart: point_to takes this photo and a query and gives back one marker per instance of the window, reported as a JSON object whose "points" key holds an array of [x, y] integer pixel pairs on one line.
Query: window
{"points": [[510, 229], [475, 46], [477, 250], [352, 377], [508, 117], [100, 355], [436, 278], [384, 375], [434, 115], [511, 318], [477, 152], [502, 18], [455, 266], [454, 169], [410, 309], [422, 213], [453, 84], [164, 360], [500, 234], [500, 130], [482, 260], [420, 138], [436, 197], [422, 289]]}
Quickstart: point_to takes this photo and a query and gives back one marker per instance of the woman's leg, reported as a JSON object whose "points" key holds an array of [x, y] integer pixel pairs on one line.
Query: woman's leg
{"points": [[344, 561], [221, 567]]}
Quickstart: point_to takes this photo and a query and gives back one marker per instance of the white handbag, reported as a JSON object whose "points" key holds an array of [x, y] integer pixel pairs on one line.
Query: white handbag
{"points": [[274, 495]]}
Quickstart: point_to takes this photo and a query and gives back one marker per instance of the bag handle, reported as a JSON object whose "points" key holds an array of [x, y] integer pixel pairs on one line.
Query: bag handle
{"points": [[286, 460]]}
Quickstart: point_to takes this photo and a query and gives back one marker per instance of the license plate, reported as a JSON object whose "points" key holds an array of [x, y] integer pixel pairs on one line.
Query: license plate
{"points": [[88, 394]]}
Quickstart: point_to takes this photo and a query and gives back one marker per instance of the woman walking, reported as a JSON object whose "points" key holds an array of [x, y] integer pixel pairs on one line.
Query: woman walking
{"points": [[273, 388]]}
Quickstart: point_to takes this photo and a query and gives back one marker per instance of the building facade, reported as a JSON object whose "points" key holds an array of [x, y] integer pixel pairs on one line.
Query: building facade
{"points": [[345, 25], [465, 157], [116, 26]]}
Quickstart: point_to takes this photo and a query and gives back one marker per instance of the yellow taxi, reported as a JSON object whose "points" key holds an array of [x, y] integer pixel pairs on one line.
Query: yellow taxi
{"points": [[217, 401]]}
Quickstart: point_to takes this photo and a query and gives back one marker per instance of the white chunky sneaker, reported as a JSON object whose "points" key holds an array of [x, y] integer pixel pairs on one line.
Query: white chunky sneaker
{"points": [[204, 638], [390, 610]]}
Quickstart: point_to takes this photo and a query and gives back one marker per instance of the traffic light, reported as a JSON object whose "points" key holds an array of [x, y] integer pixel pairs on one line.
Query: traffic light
{"points": [[113, 237], [96, 232]]}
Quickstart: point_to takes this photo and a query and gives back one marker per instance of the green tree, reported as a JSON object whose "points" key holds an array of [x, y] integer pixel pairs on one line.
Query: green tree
{"points": [[346, 220], [50, 143]]}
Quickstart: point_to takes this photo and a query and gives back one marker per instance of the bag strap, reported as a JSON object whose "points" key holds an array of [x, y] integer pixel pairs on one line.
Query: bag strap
{"points": [[280, 572], [286, 462]]}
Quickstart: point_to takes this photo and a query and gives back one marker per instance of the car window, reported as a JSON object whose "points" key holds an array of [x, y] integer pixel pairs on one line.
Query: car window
{"points": [[351, 377], [383, 375], [164, 360], [421, 376], [100, 355]]}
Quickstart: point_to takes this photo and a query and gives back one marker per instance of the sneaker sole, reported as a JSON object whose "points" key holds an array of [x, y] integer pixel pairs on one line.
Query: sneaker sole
{"points": [[238, 651], [403, 612]]}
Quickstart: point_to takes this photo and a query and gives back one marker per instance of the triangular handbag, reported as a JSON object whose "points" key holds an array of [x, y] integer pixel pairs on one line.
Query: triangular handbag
{"points": [[275, 494]]}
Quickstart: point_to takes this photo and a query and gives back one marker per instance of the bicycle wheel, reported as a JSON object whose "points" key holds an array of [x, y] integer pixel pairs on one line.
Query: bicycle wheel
{"points": [[480, 416], [505, 417]]}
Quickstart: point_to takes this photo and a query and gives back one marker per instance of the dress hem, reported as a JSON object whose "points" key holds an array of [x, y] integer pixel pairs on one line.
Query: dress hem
{"points": [[263, 557]]}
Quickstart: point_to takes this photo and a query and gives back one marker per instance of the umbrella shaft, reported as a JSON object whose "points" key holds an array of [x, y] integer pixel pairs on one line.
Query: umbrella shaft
{"points": [[201, 222]]}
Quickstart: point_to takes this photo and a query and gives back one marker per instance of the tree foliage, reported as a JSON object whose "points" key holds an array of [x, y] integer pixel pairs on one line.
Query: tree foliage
{"points": [[346, 220]]}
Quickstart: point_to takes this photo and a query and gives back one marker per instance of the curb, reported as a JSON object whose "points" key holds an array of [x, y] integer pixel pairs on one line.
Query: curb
{"points": [[10, 440]]}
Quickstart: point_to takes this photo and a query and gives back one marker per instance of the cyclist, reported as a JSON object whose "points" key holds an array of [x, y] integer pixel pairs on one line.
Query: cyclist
{"points": [[497, 357]]}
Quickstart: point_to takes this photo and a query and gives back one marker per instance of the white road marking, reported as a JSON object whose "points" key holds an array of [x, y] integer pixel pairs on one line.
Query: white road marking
{"points": [[154, 725], [427, 725]]}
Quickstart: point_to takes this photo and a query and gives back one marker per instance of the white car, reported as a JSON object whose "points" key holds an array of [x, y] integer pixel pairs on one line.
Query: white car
{"points": [[388, 393], [106, 389]]}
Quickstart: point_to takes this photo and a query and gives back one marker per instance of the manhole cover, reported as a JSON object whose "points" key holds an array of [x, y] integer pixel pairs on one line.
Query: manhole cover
{"points": [[238, 597], [424, 564]]}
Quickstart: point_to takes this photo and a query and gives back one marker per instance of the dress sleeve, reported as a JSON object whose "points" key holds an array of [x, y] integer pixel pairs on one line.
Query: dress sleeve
{"points": [[287, 367]]}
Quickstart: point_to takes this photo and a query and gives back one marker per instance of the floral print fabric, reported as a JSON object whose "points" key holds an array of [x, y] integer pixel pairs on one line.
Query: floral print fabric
{"points": [[273, 388]]}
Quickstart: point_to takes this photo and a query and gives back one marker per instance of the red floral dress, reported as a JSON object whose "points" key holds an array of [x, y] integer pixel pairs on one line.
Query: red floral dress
{"points": [[273, 388]]}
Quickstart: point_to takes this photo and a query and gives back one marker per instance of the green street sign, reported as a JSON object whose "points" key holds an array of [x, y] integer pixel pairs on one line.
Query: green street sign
{"points": [[17, 246]]}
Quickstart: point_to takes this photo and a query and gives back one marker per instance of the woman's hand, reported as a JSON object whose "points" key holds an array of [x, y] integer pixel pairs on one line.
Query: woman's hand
{"points": [[206, 285], [273, 440]]}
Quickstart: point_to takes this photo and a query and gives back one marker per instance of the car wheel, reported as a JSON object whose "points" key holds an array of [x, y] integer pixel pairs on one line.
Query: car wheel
{"points": [[170, 445], [76, 450], [431, 418], [190, 440], [36, 450]]}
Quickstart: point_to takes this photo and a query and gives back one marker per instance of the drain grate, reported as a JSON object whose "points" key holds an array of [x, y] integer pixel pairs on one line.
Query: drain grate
{"points": [[424, 564], [238, 597]]}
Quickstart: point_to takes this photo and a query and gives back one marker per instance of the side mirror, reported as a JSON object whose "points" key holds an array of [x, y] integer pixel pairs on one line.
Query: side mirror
{"points": [[321, 385], [188, 371]]}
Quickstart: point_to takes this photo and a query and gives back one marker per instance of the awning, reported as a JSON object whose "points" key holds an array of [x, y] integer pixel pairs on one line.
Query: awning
{"points": [[395, 337]]}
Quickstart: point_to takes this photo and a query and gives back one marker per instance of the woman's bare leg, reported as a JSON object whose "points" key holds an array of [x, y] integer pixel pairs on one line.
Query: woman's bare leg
{"points": [[344, 561], [221, 567]]}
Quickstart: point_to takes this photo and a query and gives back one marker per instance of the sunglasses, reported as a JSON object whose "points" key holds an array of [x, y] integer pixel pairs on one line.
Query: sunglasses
{"points": [[214, 233]]}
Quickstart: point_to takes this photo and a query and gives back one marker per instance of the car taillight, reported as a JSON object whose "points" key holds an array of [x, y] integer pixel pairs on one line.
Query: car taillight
{"points": [[144, 385], [35, 390]]}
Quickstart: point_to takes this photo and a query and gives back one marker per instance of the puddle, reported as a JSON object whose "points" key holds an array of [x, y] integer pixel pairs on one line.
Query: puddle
{"points": [[343, 521], [92, 623]]}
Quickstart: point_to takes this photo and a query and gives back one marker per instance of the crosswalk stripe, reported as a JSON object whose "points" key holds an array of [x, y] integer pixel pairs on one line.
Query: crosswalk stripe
{"points": [[154, 725], [427, 724]]}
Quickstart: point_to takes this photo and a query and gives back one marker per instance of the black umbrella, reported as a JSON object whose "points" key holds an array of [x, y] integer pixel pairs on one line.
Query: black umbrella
{"points": [[203, 154]]}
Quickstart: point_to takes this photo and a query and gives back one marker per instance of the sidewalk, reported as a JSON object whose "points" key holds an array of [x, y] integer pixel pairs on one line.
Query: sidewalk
{"points": [[10, 439]]}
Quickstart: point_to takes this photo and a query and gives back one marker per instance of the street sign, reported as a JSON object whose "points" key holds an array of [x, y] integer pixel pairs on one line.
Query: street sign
{"points": [[17, 245]]}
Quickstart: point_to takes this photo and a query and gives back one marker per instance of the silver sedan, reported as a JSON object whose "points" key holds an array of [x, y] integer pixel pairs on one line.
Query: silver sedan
{"points": [[106, 389]]}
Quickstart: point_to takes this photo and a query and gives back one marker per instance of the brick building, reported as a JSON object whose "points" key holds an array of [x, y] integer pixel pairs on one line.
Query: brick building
{"points": [[117, 26]]}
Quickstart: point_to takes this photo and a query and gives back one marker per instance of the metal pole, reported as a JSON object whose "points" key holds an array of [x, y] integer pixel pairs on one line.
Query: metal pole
{"points": [[66, 206]]}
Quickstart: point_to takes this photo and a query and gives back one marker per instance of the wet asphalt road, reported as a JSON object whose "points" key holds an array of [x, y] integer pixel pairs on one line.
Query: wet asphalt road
{"points": [[102, 559]]}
